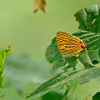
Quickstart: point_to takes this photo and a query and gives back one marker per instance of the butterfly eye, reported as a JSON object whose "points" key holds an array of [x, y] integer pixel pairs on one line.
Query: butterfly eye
{"points": [[82, 47]]}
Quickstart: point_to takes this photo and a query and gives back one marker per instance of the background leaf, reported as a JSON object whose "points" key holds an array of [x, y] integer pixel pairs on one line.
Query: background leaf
{"points": [[3, 54]]}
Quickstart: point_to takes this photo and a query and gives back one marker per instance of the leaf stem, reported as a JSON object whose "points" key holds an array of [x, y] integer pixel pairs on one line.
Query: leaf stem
{"points": [[2, 85]]}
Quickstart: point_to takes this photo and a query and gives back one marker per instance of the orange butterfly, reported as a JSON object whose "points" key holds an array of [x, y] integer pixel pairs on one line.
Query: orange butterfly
{"points": [[68, 44]]}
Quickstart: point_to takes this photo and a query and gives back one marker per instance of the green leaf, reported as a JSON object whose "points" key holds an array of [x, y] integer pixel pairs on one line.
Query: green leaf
{"points": [[52, 96], [99, 54], [88, 75], [85, 60], [96, 96], [53, 56], [3, 54], [57, 65], [53, 83], [70, 89], [93, 55], [59, 81], [89, 18], [52, 51]]}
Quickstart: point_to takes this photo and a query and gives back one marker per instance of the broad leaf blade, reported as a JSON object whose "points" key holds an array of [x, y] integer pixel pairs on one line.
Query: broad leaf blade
{"points": [[89, 18], [85, 60], [59, 82], [53, 83]]}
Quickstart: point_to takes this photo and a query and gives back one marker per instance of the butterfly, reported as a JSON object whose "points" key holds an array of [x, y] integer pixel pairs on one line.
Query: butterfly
{"points": [[68, 44]]}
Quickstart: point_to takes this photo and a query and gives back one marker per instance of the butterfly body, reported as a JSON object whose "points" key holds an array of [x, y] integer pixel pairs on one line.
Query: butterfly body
{"points": [[68, 44]]}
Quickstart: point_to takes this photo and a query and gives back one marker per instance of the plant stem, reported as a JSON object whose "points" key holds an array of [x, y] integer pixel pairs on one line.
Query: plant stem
{"points": [[2, 85]]}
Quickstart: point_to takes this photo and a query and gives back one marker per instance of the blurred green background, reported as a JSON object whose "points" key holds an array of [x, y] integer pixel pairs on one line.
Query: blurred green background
{"points": [[29, 34]]}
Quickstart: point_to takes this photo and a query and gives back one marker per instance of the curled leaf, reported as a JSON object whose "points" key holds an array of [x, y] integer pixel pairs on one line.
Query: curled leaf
{"points": [[39, 4]]}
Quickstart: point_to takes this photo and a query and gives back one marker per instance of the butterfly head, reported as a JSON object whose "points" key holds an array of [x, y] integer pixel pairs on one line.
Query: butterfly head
{"points": [[81, 45]]}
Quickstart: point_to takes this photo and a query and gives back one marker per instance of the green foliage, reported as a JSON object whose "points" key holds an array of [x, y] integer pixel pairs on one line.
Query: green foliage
{"points": [[52, 96], [3, 54], [52, 84], [61, 81], [90, 53], [89, 25], [96, 96], [70, 88], [89, 19]]}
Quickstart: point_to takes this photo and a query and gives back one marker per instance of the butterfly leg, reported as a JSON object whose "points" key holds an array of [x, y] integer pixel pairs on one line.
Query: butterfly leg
{"points": [[65, 57]]}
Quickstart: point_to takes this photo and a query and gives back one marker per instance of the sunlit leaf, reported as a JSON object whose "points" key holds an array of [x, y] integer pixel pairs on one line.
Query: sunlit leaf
{"points": [[3, 54]]}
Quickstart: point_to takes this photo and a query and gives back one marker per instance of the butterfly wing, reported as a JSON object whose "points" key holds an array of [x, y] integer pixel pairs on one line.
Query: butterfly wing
{"points": [[68, 44], [61, 39], [72, 46]]}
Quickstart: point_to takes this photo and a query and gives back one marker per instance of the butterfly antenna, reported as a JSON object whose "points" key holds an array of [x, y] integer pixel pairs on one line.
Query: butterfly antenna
{"points": [[85, 41]]}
